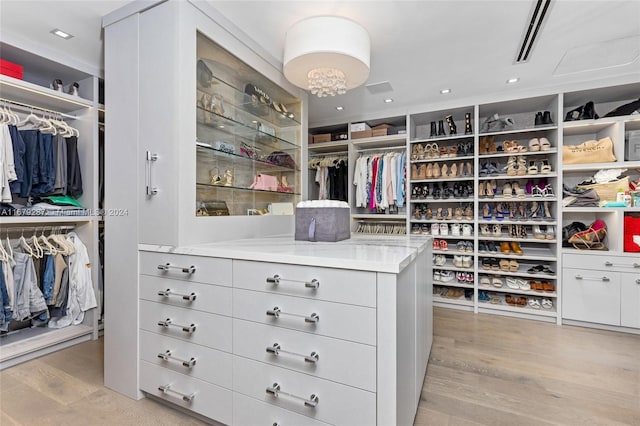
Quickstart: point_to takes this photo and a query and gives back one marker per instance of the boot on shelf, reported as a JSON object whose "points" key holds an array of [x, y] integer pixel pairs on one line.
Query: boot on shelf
{"points": [[482, 148], [467, 124], [546, 118], [589, 111], [434, 132], [441, 128], [452, 125], [538, 121]]}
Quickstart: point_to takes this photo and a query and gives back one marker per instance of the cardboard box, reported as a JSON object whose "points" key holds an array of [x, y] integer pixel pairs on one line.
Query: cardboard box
{"points": [[362, 134], [339, 136], [359, 127], [322, 137], [632, 146], [10, 69], [328, 224], [379, 132]]}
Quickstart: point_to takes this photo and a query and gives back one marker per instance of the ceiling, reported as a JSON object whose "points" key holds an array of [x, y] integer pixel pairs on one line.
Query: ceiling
{"points": [[419, 47]]}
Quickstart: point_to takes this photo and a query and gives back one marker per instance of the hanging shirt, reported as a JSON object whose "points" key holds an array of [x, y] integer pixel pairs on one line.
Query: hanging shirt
{"points": [[7, 168]]}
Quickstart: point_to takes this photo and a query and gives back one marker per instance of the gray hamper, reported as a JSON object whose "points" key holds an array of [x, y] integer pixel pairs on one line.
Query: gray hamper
{"points": [[331, 224]]}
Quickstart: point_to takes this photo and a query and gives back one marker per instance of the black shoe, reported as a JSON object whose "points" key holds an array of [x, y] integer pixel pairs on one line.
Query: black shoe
{"points": [[441, 128], [434, 132], [589, 111], [546, 118], [446, 192], [467, 124], [574, 114], [626, 109], [538, 120], [452, 125]]}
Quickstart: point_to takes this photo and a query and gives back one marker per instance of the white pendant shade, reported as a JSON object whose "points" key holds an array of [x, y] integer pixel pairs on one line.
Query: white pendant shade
{"points": [[327, 55]]}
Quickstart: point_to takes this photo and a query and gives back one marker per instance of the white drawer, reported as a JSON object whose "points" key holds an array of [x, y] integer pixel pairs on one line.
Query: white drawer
{"points": [[335, 285], [355, 323], [251, 412], [592, 296], [337, 404], [187, 358], [604, 262], [210, 330], [209, 400], [206, 297], [206, 269], [345, 362]]}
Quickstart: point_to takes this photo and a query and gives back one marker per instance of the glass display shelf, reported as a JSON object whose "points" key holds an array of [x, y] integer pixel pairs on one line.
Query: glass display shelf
{"points": [[212, 157]]}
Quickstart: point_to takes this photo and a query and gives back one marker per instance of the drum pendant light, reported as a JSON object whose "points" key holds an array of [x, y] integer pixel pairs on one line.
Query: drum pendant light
{"points": [[327, 55]]}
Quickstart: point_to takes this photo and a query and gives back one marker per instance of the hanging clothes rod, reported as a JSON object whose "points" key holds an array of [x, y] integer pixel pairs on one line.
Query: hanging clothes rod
{"points": [[325, 154], [17, 228], [29, 108], [388, 148]]}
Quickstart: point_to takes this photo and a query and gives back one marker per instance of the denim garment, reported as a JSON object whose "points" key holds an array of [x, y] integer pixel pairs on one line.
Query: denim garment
{"points": [[46, 170], [30, 139], [74, 175], [5, 305], [48, 279], [18, 159], [60, 157], [29, 298]]}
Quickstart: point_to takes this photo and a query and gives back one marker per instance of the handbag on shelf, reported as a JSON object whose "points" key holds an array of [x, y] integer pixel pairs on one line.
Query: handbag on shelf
{"points": [[571, 229], [589, 152], [265, 182], [591, 238], [212, 208]]}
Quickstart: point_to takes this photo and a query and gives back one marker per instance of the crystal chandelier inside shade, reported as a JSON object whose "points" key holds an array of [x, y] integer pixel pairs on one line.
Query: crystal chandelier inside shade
{"points": [[327, 82], [327, 55]]}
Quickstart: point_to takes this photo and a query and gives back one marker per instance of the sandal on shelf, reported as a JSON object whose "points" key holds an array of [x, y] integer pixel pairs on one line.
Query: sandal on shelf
{"points": [[533, 168], [521, 301], [534, 145], [523, 284], [511, 166], [518, 192], [496, 282], [546, 166], [504, 266], [516, 147], [521, 168], [533, 303], [513, 266], [547, 304], [444, 246], [435, 172], [544, 144], [507, 146], [453, 151], [511, 300], [495, 299], [512, 283], [507, 190], [443, 152]]}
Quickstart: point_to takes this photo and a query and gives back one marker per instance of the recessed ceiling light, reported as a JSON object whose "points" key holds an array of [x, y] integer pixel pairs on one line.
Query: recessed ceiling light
{"points": [[513, 80], [388, 101], [339, 108], [61, 34], [221, 126], [445, 91]]}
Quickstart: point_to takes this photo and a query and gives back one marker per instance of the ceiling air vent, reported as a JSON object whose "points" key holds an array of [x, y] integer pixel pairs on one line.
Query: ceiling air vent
{"points": [[375, 88], [533, 29]]}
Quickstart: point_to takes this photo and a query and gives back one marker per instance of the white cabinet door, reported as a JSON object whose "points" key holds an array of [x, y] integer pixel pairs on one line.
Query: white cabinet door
{"points": [[630, 300], [591, 296]]}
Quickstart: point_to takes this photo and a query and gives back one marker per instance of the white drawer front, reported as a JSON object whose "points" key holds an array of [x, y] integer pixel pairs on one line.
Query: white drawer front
{"points": [[251, 412], [191, 295], [190, 359], [355, 323], [206, 269], [630, 300], [345, 362], [337, 404], [209, 400], [586, 296], [602, 262], [210, 330], [336, 285]]}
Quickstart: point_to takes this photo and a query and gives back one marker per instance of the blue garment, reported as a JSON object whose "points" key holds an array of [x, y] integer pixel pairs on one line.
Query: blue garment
{"points": [[48, 279], [46, 170], [5, 305], [379, 176], [30, 139], [400, 181], [18, 159]]}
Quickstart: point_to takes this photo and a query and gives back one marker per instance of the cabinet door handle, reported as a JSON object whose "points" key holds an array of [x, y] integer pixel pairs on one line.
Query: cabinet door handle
{"points": [[150, 158], [276, 391], [167, 356], [167, 266], [275, 280], [186, 328], [187, 397], [603, 279], [638, 281], [633, 265], [276, 312], [166, 293], [276, 349]]}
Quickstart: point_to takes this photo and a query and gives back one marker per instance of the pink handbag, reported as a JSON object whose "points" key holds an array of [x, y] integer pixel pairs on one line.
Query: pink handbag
{"points": [[265, 182]]}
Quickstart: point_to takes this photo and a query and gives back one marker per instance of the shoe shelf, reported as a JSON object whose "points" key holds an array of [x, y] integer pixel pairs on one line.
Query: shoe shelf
{"points": [[529, 254], [520, 131], [380, 142], [585, 127], [33, 94], [514, 154], [441, 179], [505, 289], [601, 166], [381, 216], [451, 267], [519, 309], [514, 222], [442, 200], [437, 159], [461, 301], [454, 137], [413, 220], [241, 188], [522, 240], [213, 156], [525, 176], [453, 237], [514, 199], [521, 272], [452, 283]]}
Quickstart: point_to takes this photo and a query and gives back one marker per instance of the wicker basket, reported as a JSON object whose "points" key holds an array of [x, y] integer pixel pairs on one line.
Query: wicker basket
{"points": [[608, 191]]}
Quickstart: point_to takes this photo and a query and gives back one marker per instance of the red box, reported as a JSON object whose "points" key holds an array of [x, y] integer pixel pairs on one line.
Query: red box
{"points": [[10, 69]]}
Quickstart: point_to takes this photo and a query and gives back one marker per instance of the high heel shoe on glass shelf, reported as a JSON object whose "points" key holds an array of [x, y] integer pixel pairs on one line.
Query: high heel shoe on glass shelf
{"points": [[453, 171], [486, 212], [489, 189], [550, 233], [425, 172]]}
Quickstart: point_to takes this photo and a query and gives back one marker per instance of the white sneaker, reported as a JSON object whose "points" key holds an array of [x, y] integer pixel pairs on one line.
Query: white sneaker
{"points": [[466, 230], [455, 229], [444, 229], [467, 262], [457, 261], [435, 229], [446, 276]]}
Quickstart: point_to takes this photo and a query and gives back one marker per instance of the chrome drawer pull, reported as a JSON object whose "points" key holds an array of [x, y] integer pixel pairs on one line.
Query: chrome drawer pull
{"points": [[166, 355], [633, 265], [276, 312], [169, 323], [314, 284], [185, 397], [276, 349], [603, 279], [188, 270], [166, 293], [276, 391]]}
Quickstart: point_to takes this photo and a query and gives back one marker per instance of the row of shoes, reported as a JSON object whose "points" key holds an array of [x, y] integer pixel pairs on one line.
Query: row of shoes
{"points": [[444, 191], [451, 124], [366, 227], [505, 265], [489, 189], [433, 150], [517, 211], [459, 261], [517, 231], [517, 283], [449, 276], [457, 230], [532, 302], [453, 293], [506, 247], [443, 213], [437, 171], [488, 145]]}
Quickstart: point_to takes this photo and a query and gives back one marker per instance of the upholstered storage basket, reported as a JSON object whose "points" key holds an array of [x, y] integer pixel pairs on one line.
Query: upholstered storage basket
{"points": [[322, 224], [608, 191]]}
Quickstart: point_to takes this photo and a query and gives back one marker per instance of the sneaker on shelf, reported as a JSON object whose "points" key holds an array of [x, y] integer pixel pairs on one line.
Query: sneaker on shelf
{"points": [[446, 276], [455, 229], [444, 229]]}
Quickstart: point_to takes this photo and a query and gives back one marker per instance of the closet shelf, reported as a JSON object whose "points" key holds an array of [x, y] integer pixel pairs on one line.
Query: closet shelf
{"points": [[380, 142], [521, 273], [520, 240], [453, 283], [444, 300], [450, 267], [515, 199], [8, 220], [443, 138], [413, 220], [442, 200], [512, 154], [379, 216], [337, 146], [527, 176], [520, 131], [522, 310], [515, 222], [238, 188], [588, 127], [442, 179], [506, 289], [599, 166], [599, 209], [529, 253], [441, 159], [218, 155], [39, 96]]}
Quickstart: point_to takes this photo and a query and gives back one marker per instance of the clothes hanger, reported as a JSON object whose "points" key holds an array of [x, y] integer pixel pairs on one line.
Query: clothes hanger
{"points": [[4, 256], [51, 250], [25, 245], [62, 243], [39, 252], [9, 249]]}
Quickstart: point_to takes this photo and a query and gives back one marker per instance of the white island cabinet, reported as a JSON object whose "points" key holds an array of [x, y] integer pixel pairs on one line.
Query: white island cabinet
{"points": [[275, 331]]}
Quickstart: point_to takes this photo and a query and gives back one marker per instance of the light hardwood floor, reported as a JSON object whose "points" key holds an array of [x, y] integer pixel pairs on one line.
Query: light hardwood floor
{"points": [[484, 370]]}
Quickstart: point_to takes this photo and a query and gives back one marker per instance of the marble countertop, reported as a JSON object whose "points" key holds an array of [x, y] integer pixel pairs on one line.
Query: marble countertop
{"points": [[378, 254]]}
